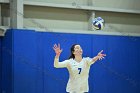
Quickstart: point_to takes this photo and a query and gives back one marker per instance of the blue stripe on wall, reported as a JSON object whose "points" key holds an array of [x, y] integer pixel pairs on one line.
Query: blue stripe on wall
{"points": [[33, 70]]}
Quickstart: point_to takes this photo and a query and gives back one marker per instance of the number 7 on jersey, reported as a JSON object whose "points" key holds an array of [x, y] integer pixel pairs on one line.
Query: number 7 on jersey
{"points": [[80, 69]]}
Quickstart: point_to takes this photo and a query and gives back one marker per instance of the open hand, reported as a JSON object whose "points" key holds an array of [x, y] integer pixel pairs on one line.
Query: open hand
{"points": [[100, 55], [57, 49]]}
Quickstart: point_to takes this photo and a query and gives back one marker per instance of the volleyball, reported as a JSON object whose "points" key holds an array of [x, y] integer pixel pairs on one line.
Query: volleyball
{"points": [[98, 23]]}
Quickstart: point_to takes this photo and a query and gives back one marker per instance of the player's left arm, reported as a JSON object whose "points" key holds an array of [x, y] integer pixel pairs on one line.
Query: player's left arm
{"points": [[99, 56]]}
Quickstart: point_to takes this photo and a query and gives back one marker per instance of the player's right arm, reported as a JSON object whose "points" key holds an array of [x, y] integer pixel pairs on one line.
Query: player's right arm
{"points": [[58, 64], [58, 51]]}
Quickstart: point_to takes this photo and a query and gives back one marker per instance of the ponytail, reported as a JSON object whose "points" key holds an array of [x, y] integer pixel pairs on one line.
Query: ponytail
{"points": [[72, 50], [72, 56]]}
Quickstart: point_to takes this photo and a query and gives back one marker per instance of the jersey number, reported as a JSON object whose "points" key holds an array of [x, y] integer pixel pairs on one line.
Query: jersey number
{"points": [[80, 69]]}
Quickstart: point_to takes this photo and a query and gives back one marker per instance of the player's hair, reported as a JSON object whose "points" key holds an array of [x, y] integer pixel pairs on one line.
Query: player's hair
{"points": [[72, 50]]}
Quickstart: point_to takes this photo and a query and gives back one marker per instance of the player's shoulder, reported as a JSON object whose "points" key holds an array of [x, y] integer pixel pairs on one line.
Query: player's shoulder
{"points": [[86, 58], [69, 60]]}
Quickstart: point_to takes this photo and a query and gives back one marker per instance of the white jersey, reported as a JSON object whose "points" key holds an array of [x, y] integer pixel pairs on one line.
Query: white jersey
{"points": [[79, 73]]}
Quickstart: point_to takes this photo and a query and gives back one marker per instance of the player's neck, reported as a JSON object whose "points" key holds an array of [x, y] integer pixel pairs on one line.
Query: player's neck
{"points": [[78, 58]]}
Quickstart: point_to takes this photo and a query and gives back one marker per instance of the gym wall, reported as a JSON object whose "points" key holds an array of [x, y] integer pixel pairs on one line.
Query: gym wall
{"points": [[27, 58]]}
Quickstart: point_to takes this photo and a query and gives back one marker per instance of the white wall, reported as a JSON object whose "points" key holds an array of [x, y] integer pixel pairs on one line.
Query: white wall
{"points": [[56, 18], [121, 4], [70, 2], [76, 19], [124, 4], [5, 15], [121, 22]]}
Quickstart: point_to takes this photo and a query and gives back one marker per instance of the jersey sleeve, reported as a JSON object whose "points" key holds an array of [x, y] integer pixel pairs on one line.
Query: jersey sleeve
{"points": [[62, 64], [89, 61]]}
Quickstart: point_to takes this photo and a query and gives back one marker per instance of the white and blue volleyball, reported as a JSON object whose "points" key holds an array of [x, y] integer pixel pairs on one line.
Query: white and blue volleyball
{"points": [[98, 23]]}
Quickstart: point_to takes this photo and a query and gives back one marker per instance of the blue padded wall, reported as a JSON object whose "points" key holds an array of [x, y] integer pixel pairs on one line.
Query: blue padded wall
{"points": [[118, 73], [7, 60], [28, 73], [31, 62]]}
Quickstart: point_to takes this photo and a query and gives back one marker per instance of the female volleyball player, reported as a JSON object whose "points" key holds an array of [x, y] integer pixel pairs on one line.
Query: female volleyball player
{"points": [[77, 66]]}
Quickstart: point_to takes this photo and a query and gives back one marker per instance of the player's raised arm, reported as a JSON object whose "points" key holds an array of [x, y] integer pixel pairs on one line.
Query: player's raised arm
{"points": [[58, 51], [99, 56]]}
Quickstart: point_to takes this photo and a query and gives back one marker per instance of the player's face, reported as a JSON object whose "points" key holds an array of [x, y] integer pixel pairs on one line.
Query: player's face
{"points": [[78, 50]]}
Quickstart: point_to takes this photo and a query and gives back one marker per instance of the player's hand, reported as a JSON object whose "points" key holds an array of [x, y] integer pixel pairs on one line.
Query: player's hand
{"points": [[100, 55], [57, 49]]}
